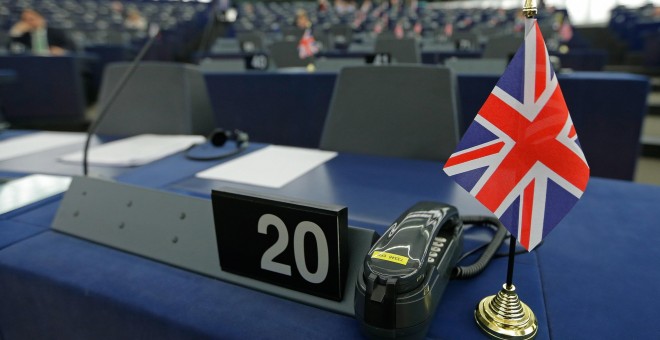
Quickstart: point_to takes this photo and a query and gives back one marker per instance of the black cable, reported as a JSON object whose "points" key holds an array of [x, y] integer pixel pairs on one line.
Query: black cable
{"points": [[474, 269], [219, 138], [239, 149], [114, 94], [480, 247], [472, 251]]}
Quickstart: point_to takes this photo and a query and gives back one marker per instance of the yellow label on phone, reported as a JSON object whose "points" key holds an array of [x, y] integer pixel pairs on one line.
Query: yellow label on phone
{"points": [[381, 255]]}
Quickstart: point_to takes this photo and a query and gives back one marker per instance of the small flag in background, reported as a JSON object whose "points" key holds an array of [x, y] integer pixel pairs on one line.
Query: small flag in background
{"points": [[449, 29], [521, 157], [360, 17], [307, 46], [418, 28], [565, 30], [378, 28], [398, 30]]}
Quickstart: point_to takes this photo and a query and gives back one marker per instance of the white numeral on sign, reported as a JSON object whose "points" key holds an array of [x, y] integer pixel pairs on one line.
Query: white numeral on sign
{"points": [[299, 250], [278, 247], [304, 227]]}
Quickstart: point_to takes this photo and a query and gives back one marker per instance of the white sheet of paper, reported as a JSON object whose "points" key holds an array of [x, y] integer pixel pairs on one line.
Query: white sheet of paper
{"points": [[37, 142], [26, 190], [273, 166], [136, 150]]}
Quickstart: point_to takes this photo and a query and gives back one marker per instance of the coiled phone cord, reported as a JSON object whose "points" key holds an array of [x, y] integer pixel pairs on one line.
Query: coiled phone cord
{"points": [[466, 272]]}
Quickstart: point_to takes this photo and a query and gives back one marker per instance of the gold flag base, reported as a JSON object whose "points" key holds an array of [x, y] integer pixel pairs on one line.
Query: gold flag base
{"points": [[504, 316]]}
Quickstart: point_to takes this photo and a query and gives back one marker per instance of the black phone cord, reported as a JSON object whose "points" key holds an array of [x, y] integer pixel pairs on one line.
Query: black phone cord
{"points": [[466, 272]]}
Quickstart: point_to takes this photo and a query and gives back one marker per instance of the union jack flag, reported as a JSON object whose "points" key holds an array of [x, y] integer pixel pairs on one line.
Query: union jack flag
{"points": [[307, 46], [521, 157]]}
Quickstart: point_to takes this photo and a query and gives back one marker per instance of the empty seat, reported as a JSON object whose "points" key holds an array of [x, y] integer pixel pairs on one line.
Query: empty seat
{"points": [[222, 65], [160, 97], [401, 50], [504, 46], [251, 41], [401, 111], [285, 54], [336, 64], [494, 66]]}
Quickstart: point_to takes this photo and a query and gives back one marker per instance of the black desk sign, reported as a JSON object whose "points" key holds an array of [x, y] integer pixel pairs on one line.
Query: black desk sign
{"points": [[297, 245], [378, 59], [257, 61]]}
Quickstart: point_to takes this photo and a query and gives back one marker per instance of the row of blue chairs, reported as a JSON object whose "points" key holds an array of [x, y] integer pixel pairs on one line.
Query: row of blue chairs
{"points": [[94, 22], [635, 25]]}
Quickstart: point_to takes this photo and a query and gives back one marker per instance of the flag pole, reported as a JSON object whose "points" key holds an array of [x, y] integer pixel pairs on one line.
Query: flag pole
{"points": [[504, 316], [512, 255]]}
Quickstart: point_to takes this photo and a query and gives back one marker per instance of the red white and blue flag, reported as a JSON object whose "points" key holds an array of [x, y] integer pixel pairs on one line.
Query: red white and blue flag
{"points": [[521, 157], [307, 46]]}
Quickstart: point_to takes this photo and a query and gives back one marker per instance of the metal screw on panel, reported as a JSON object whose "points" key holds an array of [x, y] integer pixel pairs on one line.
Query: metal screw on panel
{"points": [[182, 216], [122, 225], [175, 239]]}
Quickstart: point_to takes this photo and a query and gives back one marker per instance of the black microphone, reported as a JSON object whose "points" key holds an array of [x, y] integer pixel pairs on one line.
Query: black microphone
{"points": [[154, 31]]}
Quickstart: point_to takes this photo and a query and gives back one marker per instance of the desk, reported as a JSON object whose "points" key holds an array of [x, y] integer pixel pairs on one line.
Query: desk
{"points": [[576, 59], [427, 57], [7, 76], [290, 109], [46, 162], [49, 90], [600, 261], [583, 59]]}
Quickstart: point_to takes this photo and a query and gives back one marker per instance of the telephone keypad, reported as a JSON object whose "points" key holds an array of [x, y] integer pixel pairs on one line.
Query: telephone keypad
{"points": [[437, 248]]}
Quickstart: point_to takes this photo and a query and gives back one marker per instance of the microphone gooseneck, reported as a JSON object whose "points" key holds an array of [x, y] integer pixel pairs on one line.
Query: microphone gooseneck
{"points": [[154, 32]]}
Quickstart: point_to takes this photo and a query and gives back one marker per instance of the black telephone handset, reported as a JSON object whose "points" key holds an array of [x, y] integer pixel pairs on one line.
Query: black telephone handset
{"points": [[406, 271]]}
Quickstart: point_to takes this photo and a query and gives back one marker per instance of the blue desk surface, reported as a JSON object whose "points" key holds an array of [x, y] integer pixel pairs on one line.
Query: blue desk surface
{"points": [[46, 162], [595, 274], [290, 109]]}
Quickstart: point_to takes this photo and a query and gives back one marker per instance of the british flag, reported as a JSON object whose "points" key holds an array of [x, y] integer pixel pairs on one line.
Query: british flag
{"points": [[521, 157], [307, 46]]}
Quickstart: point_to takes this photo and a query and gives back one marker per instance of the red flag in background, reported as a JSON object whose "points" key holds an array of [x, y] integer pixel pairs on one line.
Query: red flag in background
{"points": [[449, 29], [307, 46], [418, 28], [398, 30], [565, 30]]}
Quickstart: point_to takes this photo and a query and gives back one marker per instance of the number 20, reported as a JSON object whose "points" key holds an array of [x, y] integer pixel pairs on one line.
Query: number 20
{"points": [[282, 242]]}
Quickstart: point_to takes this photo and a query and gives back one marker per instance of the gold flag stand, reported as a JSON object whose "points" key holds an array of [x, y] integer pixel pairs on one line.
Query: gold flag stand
{"points": [[504, 316]]}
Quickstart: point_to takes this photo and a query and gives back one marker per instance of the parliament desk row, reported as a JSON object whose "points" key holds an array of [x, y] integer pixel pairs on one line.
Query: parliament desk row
{"points": [[283, 108], [427, 57], [582, 59], [55, 90], [593, 276], [7, 76], [47, 89]]}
